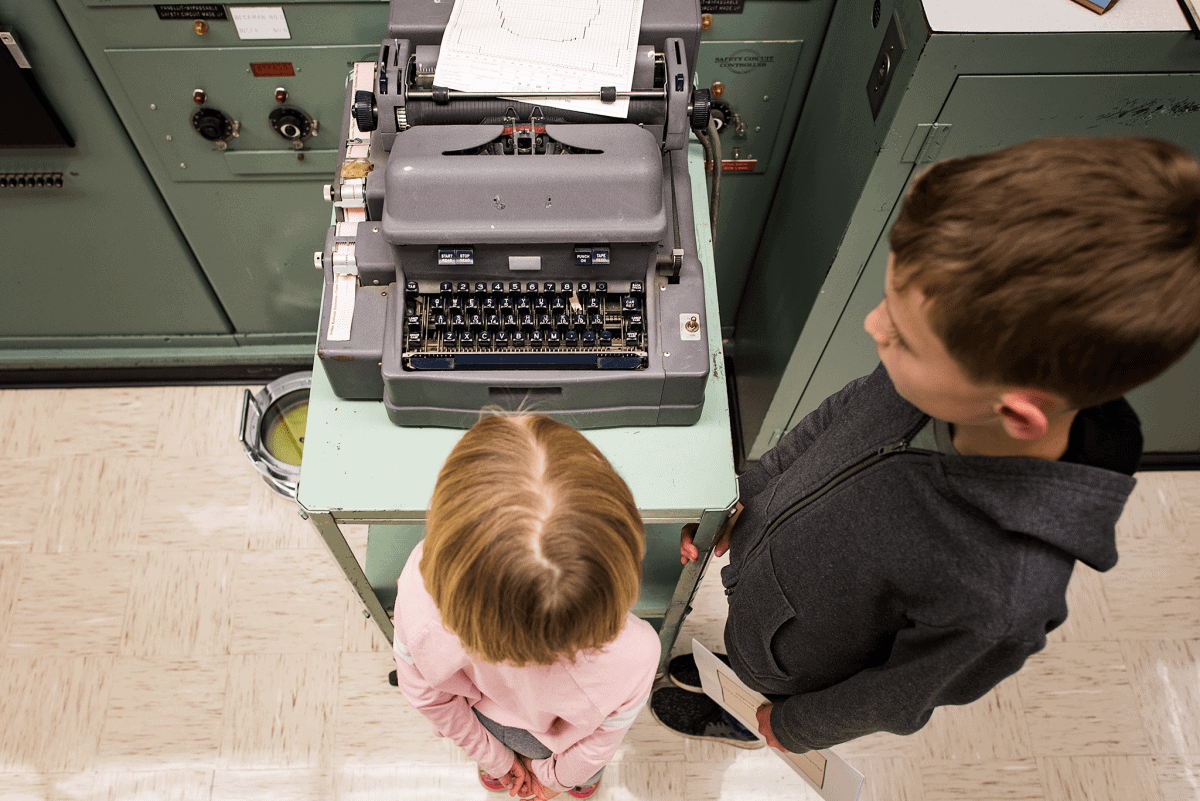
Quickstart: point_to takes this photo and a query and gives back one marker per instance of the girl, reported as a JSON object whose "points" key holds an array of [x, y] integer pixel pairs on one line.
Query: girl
{"points": [[514, 634]]}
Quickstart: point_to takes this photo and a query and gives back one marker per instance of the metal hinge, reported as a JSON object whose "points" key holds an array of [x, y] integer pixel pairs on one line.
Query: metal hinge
{"points": [[926, 143]]}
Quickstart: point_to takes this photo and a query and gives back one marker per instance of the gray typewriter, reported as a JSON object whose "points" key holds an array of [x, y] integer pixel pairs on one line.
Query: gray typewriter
{"points": [[492, 249]]}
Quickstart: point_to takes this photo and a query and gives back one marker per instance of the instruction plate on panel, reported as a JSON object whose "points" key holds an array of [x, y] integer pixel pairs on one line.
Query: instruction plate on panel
{"points": [[260, 22]]}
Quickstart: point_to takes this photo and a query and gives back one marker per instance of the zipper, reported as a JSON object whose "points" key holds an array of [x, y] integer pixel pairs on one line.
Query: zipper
{"points": [[879, 455]]}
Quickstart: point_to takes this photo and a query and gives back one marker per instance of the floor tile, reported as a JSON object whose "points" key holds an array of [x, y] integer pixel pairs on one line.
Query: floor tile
{"points": [[375, 725], [11, 565], [53, 712], [307, 784], [199, 421], [1178, 777], [71, 604], [198, 502], [1078, 701], [953, 732], [1087, 609], [120, 421], [164, 712], [1016, 780], [95, 503], [289, 602], [275, 521], [159, 785], [889, 779], [181, 603], [25, 416], [745, 776], [1154, 590], [1115, 778], [1165, 675], [279, 711], [25, 499]]}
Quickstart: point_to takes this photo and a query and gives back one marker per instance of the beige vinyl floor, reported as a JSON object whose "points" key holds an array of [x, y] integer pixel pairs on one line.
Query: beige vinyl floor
{"points": [[170, 629]]}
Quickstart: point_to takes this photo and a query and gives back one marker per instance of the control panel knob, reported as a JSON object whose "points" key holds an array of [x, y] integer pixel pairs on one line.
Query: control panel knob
{"points": [[212, 124], [291, 123], [365, 113], [701, 108]]}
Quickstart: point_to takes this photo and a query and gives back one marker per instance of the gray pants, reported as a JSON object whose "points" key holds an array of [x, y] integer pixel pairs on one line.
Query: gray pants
{"points": [[524, 743]]}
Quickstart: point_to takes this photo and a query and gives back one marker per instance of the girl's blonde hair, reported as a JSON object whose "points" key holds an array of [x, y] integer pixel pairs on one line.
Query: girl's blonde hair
{"points": [[533, 547]]}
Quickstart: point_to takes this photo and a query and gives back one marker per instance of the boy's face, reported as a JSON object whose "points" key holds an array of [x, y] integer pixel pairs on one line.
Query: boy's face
{"points": [[920, 367]]}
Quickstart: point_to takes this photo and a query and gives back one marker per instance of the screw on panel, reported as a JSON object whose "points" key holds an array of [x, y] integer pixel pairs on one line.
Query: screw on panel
{"points": [[200, 27]]}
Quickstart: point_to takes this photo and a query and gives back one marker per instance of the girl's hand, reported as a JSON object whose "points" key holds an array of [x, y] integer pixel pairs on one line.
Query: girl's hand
{"points": [[537, 789]]}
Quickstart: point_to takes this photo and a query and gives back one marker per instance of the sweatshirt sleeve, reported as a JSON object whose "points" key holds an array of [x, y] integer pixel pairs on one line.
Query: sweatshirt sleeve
{"points": [[449, 711], [796, 441], [581, 761], [928, 667]]}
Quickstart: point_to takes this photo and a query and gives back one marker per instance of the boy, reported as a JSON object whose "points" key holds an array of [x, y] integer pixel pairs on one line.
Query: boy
{"points": [[909, 543]]}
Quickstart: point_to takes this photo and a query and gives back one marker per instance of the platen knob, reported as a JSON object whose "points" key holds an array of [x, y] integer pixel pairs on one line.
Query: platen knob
{"points": [[701, 107], [364, 110]]}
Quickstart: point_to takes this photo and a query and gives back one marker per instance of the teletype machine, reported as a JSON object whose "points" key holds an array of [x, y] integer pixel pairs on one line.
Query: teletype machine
{"points": [[505, 246]]}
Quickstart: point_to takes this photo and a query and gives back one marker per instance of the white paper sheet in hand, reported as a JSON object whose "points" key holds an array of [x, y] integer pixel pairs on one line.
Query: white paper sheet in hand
{"points": [[832, 778], [542, 46]]}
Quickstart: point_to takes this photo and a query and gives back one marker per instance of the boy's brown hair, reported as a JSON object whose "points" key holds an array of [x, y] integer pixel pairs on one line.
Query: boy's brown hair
{"points": [[1070, 264], [534, 545]]}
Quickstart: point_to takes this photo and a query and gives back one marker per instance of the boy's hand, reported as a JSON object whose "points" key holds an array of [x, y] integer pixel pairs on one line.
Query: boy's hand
{"points": [[688, 552], [764, 726]]}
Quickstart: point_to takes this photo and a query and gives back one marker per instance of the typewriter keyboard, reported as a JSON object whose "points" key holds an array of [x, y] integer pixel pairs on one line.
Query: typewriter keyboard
{"points": [[525, 325]]}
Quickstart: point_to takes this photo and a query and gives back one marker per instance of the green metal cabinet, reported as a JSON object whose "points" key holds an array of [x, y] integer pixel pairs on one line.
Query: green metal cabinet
{"points": [[985, 84], [763, 58], [99, 257]]}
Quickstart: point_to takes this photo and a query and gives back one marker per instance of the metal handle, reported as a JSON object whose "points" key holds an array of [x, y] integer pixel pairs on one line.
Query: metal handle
{"points": [[245, 411]]}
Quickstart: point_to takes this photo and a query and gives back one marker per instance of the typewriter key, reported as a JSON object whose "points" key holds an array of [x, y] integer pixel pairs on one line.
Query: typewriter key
{"points": [[514, 286], [484, 338], [536, 337], [481, 287], [605, 338], [571, 337], [553, 338], [562, 321], [501, 338], [588, 338], [450, 339], [463, 286], [497, 286], [602, 287], [466, 338], [446, 287], [518, 338], [493, 321], [544, 321]]}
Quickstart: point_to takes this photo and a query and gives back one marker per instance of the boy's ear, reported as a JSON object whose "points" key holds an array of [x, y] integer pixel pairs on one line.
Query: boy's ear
{"points": [[1025, 414]]}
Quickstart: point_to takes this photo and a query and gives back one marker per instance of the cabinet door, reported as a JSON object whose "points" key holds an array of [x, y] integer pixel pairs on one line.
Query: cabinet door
{"points": [[100, 254], [990, 112]]}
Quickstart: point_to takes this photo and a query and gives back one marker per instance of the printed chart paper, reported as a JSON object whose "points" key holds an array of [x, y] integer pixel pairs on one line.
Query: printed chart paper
{"points": [[542, 46], [832, 778]]}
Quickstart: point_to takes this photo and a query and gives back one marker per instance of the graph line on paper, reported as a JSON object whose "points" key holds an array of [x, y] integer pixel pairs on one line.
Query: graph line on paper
{"points": [[541, 45]]}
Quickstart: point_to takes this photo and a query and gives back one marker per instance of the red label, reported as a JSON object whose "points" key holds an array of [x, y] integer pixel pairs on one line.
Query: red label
{"points": [[734, 165], [273, 69]]}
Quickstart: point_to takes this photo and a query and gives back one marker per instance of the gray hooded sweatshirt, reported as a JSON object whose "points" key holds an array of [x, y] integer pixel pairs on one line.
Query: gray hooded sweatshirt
{"points": [[870, 582]]}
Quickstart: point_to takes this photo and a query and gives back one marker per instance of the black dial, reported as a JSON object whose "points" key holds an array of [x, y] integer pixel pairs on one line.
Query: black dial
{"points": [[291, 123], [213, 125]]}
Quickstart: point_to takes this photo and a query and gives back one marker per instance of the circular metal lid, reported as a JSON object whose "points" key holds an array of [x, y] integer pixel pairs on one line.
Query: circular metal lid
{"points": [[272, 431]]}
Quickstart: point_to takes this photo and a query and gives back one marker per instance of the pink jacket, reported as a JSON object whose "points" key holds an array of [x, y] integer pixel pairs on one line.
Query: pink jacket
{"points": [[579, 711]]}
